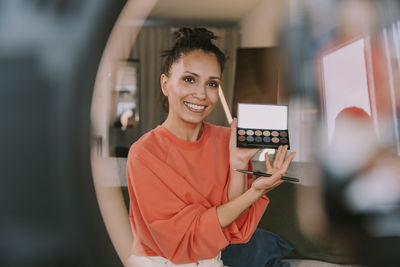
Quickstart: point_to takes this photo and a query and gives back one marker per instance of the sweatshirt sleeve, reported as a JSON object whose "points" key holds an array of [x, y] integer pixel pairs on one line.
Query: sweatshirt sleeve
{"points": [[242, 229], [175, 221]]}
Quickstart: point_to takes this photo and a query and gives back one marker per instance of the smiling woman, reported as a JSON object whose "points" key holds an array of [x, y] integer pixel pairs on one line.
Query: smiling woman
{"points": [[186, 201]]}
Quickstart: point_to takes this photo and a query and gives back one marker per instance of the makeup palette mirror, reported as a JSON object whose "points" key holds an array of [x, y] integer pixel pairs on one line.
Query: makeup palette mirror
{"points": [[263, 126]]}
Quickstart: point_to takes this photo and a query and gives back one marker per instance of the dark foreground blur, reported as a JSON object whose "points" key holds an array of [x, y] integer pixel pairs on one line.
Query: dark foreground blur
{"points": [[49, 54]]}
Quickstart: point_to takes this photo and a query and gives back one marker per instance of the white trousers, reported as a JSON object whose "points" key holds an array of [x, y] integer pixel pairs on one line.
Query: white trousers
{"points": [[156, 261]]}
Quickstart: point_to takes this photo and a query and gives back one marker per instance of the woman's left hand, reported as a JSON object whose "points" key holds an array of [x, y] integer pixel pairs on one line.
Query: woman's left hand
{"points": [[278, 169], [239, 157], [280, 163]]}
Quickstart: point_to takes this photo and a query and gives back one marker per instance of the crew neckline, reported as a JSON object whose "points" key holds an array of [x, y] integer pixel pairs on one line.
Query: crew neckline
{"points": [[183, 143]]}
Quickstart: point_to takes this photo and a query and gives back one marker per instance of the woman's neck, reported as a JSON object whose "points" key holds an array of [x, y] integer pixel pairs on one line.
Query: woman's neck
{"points": [[186, 131]]}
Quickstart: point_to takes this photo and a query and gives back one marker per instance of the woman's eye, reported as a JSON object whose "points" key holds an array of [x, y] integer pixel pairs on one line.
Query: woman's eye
{"points": [[188, 79], [213, 84]]}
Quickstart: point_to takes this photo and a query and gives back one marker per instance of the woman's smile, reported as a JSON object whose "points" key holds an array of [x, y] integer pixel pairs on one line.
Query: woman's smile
{"points": [[198, 108]]}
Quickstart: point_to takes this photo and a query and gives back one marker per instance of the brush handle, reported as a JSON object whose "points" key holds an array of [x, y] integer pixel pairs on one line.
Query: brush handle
{"points": [[286, 178]]}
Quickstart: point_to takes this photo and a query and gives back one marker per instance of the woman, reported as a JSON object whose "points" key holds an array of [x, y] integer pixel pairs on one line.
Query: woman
{"points": [[186, 201]]}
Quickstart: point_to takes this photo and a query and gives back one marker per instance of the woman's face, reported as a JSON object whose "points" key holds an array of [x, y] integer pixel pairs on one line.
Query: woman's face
{"points": [[192, 86]]}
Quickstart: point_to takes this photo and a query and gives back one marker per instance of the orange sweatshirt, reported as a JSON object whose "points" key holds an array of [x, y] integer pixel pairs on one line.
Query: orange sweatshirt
{"points": [[175, 187]]}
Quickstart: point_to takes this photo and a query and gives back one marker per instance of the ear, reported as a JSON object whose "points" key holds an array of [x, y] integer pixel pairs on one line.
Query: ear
{"points": [[163, 83]]}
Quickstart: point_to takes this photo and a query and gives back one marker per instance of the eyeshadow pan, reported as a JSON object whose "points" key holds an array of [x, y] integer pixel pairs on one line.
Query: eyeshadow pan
{"points": [[258, 139], [241, 132], [267, 139], [275, 133], [258, 133], [284, 140], [249, 132], [283, 134], [241, 138], [250, 138], [266, 133], [275, 140]]}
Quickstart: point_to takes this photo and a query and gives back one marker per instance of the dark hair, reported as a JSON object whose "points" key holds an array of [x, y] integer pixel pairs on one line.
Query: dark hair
{"points": [[188, 40]]}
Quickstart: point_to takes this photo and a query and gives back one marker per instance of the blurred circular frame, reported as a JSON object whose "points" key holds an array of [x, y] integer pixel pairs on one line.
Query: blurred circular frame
{"points": [[105, 169]]}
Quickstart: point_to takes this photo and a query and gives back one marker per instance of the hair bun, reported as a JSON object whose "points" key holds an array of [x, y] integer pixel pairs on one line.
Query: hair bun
{"points": [[187, 35], [188, 40]]}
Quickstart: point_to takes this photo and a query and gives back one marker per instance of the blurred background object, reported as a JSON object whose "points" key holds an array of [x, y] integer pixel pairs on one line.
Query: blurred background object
{"points": [[342, 58]]}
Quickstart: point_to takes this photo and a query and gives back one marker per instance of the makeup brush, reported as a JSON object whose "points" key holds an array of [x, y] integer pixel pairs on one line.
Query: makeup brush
{"points": [[257, 174]]}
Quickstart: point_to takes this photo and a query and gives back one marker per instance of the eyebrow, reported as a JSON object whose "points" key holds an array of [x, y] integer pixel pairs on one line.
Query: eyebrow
{"points": [[197, 75]]}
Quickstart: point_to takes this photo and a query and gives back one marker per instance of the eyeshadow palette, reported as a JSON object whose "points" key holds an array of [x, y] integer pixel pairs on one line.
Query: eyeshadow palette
{"points": [[262, 126]]}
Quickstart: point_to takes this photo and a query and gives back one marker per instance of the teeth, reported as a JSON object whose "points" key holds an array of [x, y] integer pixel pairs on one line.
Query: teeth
{"points": [[193, 106]]}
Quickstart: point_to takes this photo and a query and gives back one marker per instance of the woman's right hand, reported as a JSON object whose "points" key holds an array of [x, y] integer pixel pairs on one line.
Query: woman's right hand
{"points": [[278, 169]]}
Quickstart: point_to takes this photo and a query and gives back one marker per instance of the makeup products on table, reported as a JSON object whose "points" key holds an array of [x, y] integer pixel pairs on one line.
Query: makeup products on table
{"points": [[263, 126], [257, 174]]}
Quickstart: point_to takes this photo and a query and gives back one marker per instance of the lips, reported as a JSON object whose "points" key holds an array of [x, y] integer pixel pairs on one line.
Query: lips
{"points": [[195, 107]]}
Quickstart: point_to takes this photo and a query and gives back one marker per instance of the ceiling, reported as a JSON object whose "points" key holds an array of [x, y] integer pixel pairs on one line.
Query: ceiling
{"points": [[202, 10]]}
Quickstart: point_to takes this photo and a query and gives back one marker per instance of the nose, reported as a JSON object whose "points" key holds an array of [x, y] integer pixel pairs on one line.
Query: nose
{"points": [[200, 92]]}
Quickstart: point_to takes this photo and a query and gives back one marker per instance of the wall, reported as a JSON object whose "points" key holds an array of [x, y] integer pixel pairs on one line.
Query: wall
{"points": [[260, 27]]}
